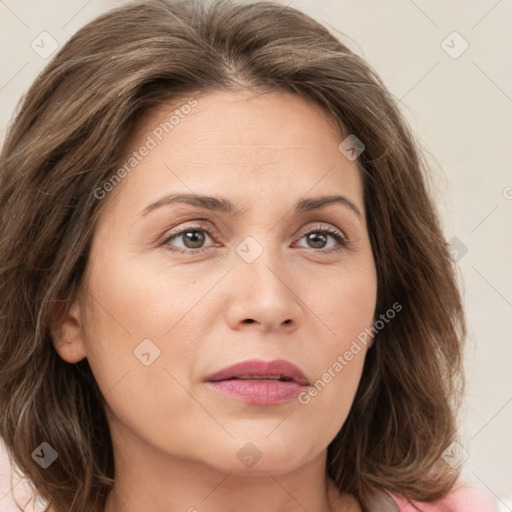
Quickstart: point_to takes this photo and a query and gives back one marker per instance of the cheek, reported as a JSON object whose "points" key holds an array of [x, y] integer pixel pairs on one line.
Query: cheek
{"points": [[346, 309], [131, 356], [348, 302], [139, 315]]}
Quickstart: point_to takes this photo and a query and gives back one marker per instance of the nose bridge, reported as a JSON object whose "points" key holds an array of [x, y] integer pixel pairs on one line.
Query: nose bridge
{"points": [[253, 247], [259, 259], [263, 283]]}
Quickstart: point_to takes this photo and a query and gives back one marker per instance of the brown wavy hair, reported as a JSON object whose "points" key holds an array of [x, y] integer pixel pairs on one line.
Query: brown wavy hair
{"points": [[69, 133]]}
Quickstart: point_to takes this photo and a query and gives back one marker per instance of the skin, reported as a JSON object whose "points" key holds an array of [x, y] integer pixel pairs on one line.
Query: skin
{"points": [[175, 440]]}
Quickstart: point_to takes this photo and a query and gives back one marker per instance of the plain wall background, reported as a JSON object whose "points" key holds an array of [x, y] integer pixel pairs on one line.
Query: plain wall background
{"points": [[459, 106]]}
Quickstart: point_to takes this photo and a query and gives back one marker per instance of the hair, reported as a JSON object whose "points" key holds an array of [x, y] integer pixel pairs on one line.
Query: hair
{"points": [[70, 132]]}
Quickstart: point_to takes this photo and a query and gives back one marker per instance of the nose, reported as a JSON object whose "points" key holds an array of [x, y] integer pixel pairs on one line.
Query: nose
{"points": [[266, 295]]}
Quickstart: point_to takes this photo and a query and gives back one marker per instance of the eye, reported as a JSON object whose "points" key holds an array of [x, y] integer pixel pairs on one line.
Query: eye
{"points": [[318, 239], [193, 239]]}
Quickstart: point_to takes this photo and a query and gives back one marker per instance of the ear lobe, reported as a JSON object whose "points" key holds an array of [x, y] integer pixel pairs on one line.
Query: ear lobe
{"points": [[66, 331]]}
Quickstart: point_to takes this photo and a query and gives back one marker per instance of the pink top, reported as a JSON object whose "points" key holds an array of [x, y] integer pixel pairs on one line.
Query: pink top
{"points": [[462, 499]]}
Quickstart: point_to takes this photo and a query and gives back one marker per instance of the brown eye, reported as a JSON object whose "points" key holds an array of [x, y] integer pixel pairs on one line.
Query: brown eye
{"points": [[319, 238], [193, 239]]}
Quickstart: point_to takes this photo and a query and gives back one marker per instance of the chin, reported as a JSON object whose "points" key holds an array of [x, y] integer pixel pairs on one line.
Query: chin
{"points": [[260, 457]]}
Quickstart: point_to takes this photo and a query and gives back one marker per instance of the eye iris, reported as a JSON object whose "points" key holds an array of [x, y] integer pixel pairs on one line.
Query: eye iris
{"points": [[319, 239], [195, 237]]}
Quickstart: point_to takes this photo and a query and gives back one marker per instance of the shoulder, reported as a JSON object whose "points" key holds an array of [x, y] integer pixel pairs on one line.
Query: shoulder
{"points": [[461, 499]]}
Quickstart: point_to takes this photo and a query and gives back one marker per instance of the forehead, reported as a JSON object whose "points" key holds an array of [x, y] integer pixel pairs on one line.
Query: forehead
{"points": [[244, 143], [243, 117]]}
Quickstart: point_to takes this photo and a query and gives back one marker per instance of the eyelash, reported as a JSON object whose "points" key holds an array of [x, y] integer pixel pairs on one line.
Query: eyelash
{"points": [[334, 233]]}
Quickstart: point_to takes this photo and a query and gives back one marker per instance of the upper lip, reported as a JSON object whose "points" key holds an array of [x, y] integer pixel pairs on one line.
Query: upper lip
{"points": [[257, 368]]}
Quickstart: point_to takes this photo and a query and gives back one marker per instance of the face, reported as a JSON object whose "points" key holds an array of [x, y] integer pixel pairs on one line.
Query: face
{"points": [[179, 290]]}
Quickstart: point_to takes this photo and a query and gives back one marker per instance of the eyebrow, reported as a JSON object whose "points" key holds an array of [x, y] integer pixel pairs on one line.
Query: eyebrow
{"points": [[222, 205]]}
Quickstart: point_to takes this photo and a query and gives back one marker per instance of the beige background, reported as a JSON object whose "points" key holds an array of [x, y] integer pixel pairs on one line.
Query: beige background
{"points": [[461, 110]]}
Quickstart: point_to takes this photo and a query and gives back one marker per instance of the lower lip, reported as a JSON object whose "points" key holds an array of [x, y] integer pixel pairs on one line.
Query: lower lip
{"points": [[258, 391]]}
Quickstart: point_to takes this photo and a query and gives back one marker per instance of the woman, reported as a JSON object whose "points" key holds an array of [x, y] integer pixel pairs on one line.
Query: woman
{"points": [[224, 285]]}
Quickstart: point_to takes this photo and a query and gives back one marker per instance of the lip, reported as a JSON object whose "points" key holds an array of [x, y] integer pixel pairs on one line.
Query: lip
{"points": [[250, 381]]}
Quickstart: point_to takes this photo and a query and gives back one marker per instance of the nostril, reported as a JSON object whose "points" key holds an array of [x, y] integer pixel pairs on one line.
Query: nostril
{"points": [[249, 321]]}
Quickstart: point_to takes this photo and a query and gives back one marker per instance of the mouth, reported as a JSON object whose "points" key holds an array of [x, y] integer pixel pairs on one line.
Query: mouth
{"points": [[256, 369], [260, 382], [270, 378]]}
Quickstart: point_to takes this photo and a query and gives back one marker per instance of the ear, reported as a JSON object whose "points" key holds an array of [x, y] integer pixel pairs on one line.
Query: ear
{"points": [[66, 331]]}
